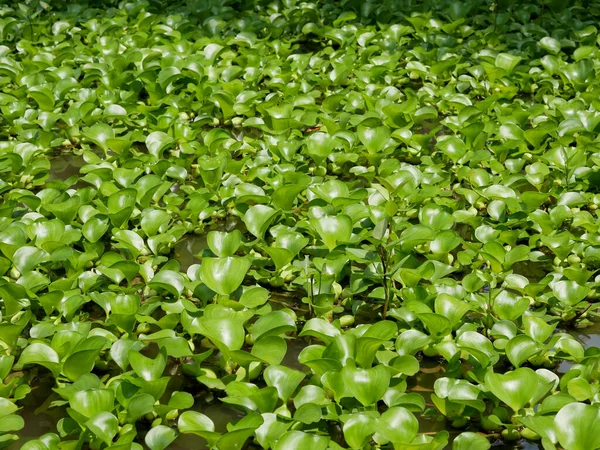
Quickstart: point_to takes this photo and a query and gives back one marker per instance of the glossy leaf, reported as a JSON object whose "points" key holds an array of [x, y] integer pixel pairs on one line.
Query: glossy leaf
{"points": [[515, 388], [224, 275], [160, 437], [576, 426], [366, 385]]}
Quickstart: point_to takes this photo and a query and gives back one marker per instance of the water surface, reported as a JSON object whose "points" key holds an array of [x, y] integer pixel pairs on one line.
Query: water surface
{"points": [[65, 166]]}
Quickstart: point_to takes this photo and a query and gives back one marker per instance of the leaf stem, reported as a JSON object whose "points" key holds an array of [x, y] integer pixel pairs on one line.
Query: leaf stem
{"points": [[386, 287], [312, 292], [581, 313]]}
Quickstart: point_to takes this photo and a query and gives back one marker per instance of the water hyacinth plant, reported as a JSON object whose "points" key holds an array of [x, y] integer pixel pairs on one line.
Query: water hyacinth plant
{"points": [[282, 224]]}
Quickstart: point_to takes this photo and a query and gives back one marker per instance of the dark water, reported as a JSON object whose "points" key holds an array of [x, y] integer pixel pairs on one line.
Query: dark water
{"points": [[39, 419], [589, 337], [64, 166], [294, 347], [187, 249], [220, 413]]}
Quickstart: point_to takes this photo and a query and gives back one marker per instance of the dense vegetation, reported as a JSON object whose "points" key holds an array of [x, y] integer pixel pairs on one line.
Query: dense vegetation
{"points": [[299, 225]]}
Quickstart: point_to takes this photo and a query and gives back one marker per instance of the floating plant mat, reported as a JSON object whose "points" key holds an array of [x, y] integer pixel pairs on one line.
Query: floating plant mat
{"points": [[299, 225]]}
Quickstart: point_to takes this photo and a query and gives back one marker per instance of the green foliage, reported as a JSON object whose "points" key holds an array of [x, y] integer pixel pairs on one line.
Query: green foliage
{"points": [[261, 224]]}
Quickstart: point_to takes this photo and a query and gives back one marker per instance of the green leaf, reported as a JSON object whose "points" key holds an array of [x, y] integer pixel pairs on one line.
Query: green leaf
{"points": [[577, 425], [411, 341], [43, 97], [280, 256], [374, 139], [99, 134], [451, 308], [550, 44], [284, 379], [308, 413], [154, 220], [225, 331], [41, 354], [398, 425], [273, 324], [11, 422], [367, 385], [81, 362], [333, 230], [299, 440], [104, 425], [444, 242], [197, 423], [95, 227], [507, 62], [139, 405], [168, 280], [91, 402], [542, 425], [157, 142], [470, 441], [258, 218], [520, 348], [321, 329], [120, 206], [285, 196], [569, 292], [224, 275], [271, 349], [224, 244], [537, 328], [7, 406], [479, 346], [436, 324], [147, 368], [453, 147], [254, 297], [435, 217], [26, 258], [515, 388], [358, 429], [319, 146], [160, 437], [509, 306]]}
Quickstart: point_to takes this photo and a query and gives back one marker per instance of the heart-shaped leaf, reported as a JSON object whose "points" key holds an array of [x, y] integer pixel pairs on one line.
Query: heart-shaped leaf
{"points": [[284, 379], [366, 385], [398, 425], [258, 218], [520, 348], [333, 230], [374, 139], [226, 331], [470, 441], [157, 142], [298, 440], [169, 281], [569, 292], [358, 429], [515, 388], [224, 275], [91, 402], [104, 425], [224, 244]]}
